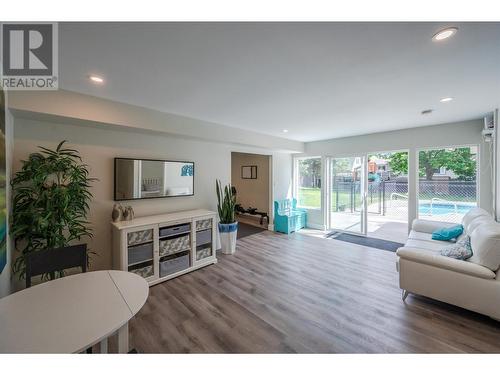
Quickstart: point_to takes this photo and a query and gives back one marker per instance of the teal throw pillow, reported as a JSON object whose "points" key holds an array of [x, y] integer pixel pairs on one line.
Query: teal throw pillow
{"points": [[447, 234]]}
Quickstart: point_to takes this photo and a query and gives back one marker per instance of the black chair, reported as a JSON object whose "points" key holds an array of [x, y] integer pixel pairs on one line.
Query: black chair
{"points": [[52, 260]]}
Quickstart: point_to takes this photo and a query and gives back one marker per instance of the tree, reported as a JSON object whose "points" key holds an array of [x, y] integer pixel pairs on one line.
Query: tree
{"points": [[341, 165], [310, 171], [460, 161], [50, 204], [398, 162]]}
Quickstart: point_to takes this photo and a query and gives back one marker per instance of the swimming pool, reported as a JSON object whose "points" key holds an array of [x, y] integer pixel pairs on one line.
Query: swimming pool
{"points": [[444, 208]]}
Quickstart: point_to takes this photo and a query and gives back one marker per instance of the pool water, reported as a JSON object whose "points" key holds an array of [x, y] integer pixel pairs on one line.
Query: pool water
{"points": [[443, 208]]}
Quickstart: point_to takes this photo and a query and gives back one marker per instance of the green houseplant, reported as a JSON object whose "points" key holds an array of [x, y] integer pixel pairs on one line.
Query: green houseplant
{"points": [[228, 226], [50, 204]]}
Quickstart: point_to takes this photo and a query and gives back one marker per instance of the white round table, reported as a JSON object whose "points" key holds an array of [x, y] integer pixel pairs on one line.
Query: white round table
{"points": [[70, 314]]}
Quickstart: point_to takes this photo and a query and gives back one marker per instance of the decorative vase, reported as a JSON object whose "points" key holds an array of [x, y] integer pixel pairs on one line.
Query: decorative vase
{"points": [[117, 213], [128, 213], [228, 234]]}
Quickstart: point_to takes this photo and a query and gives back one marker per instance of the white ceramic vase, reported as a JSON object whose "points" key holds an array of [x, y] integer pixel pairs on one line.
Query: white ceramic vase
{"points": [[228, 233]]}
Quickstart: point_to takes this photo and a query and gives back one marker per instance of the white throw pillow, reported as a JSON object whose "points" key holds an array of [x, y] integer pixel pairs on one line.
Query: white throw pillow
{"points": [[473, 214], [485, 243]]}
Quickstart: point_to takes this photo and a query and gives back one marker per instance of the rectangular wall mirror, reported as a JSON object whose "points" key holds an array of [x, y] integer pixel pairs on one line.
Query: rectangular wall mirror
{"points": [[144, 178]]}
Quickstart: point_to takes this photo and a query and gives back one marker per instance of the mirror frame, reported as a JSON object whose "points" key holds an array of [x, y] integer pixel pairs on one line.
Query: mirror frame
{"points": [[162, 160]]}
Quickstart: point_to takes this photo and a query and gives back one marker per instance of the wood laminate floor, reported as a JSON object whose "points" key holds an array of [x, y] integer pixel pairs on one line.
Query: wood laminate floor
{"points": [[300, 294]]}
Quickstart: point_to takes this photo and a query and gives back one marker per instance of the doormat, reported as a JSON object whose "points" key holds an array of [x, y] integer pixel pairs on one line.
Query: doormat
{"points": [[366, 241]]}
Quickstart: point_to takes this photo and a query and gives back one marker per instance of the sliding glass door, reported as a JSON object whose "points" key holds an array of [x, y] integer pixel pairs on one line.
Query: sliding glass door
{"points": [[347, 192], [369, 194], [387, 196]]}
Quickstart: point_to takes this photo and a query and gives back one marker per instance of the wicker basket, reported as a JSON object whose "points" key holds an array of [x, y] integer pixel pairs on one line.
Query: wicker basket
{"points": [[175, 245], [203, 253], [204, 224], [141, 236], [143, 271]]}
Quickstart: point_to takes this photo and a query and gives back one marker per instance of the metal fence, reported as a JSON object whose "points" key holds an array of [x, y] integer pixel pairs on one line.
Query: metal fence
{"points": [[391, 197], [461, 190]]}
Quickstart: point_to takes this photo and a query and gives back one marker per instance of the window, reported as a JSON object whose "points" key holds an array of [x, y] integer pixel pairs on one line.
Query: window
{"points": [[447, 183], [308, 182]]}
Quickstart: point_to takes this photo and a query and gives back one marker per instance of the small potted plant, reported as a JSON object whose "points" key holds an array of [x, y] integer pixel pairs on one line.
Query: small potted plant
{"points": [[228, 226]]}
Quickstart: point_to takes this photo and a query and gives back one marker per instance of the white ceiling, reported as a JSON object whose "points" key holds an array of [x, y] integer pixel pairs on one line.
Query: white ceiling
{"points": [[318, 80]]}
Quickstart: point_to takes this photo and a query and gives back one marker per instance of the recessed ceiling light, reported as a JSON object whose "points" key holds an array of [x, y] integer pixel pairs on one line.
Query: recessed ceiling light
{"points": [[446, 100], [96, 79], [285, 130], [426, 111], [444, 34]]}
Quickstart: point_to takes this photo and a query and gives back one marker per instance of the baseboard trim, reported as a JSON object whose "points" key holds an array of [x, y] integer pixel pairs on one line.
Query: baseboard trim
{"points": [[316, 226]]}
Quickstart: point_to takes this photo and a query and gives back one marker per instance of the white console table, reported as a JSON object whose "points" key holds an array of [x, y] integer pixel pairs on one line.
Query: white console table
{"points": [[161, 247]]}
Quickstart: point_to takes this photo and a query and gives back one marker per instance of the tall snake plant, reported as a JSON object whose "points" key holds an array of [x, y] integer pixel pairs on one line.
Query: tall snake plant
{"points": [[226, 202], [50, 204]]}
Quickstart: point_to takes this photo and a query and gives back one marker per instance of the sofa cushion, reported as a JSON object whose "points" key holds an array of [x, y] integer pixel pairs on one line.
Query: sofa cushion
{"points": [[447, 233], [414, 235], [485, 242], [459, 250], [473, 214], [437, 260], [477, 222], [429, 226], [429, 245]]}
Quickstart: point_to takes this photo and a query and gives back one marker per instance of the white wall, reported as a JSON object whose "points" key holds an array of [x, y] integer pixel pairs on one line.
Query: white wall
{"points": [[461, 133], [67, 106], [99, 145], [282, 176], [5, 276]]}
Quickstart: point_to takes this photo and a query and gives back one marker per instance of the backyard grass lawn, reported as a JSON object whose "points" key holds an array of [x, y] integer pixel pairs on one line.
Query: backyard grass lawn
{"points": [[311, 197]]}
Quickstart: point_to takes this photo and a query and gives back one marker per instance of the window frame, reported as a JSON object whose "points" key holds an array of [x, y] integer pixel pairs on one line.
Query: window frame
{"points": [[417, 170]]}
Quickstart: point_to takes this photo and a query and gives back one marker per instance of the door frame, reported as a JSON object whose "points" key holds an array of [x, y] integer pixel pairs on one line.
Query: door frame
{"points": [[408, 168], [271, 175], [363, 185], [364, 213]]}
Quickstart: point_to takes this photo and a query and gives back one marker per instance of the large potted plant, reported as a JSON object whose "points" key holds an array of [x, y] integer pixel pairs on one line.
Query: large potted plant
{"points": [[50, 204], [228, 226]]}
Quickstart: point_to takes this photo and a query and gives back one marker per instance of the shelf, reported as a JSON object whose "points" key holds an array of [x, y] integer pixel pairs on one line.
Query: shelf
{"points": [[174, 235], [140, 244], [204, 246], [175, 232], [140, 262], [176, 253]]}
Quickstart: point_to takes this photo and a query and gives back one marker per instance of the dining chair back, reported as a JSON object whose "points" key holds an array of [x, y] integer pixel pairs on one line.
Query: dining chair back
{"points": [[52, 260]]}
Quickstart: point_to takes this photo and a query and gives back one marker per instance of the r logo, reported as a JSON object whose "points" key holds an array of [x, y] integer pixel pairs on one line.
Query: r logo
{"points": [[27, 49]]}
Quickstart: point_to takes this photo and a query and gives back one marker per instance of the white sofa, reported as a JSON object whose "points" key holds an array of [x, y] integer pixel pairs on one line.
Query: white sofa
{"points": [[473, 284]]}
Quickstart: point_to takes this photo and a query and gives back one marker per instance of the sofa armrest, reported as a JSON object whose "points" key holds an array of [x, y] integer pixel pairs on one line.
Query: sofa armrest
{"points": [[436, 260], [429, 226]]}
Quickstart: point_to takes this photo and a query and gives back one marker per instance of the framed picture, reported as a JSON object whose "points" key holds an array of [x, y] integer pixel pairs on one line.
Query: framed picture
{"points": [[249, 172]]}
